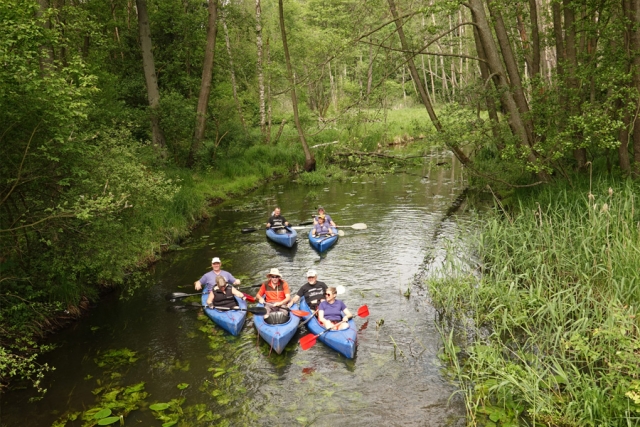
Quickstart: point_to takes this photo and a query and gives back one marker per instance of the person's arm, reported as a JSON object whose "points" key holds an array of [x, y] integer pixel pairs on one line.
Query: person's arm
{"points": [[198, 285], [260, 294], [321, 318], [284, 301], [232, 280], [294, 300], [284, 221], [347, 315], [210, 299], [237, 293]]}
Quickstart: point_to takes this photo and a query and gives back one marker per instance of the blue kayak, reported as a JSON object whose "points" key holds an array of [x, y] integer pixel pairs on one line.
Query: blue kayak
{"points": [[322, 243], [231, 321], [277, 336], [344, 341], [283, 236]]}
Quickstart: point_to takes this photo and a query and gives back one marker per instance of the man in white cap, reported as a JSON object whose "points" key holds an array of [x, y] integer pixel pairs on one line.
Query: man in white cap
{"points": [[313, 291], [209, 279], [274, 293]]}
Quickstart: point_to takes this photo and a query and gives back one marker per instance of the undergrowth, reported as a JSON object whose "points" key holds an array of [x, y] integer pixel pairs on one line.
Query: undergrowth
{"points": [[549, 334]]}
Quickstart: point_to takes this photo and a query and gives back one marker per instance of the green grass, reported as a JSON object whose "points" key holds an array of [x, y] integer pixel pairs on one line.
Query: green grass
{"points": [[551, 331]]}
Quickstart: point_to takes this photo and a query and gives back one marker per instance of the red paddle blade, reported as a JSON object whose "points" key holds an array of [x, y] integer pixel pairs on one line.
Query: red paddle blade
{"points": [[300, 313], [363, 311], [307, 341], [249, 298]]}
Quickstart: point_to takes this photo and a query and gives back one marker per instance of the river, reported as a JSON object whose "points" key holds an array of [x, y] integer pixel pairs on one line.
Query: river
{"points": [[132, 351]]}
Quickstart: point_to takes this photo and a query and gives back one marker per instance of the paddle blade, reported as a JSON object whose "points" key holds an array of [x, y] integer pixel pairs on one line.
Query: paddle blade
{"points": [[307, 341], [306, 223], [248, 230], [340, 233], [300, 313], [257, 310], [359, 226], [363, 311], [177, 295]]}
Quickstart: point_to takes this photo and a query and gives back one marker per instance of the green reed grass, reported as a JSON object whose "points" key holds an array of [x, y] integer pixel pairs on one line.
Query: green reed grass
{"points": [[552, 326]]}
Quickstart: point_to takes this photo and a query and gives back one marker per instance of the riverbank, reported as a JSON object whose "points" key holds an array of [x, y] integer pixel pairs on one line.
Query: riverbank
{"points": [[546, 329]]}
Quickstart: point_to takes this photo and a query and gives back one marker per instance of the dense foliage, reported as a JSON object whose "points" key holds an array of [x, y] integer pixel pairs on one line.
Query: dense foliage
{"points": [[114, 137]]}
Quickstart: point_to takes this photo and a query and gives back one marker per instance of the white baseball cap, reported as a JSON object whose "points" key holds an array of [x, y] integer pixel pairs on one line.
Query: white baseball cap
{"points": [[312, 273], [216, 259]]}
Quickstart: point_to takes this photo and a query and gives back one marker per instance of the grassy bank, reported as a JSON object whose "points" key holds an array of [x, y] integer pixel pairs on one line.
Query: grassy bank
{"points": [[550, 332]]}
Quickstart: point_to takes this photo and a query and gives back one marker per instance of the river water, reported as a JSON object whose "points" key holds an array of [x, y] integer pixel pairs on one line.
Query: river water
{"points": [[134, 351]]}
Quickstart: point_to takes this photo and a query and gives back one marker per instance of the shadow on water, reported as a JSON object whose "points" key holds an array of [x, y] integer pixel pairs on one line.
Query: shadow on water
{"points": [[156, 363]]}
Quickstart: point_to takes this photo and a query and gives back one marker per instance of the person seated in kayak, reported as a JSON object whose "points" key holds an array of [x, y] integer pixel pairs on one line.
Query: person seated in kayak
{"points": [[222, 295], [313, 291], [327, 217], [321, 228], [274, 293], [333, 313], [277, 221], [209, 279]]}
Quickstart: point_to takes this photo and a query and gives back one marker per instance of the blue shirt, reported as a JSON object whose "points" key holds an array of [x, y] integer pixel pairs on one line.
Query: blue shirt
{"points": [[322, 229], [209, 279], [333, 311]]}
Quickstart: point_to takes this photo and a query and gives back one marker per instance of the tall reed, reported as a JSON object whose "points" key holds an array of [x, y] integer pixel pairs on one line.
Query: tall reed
{"points": [[551, 325]]}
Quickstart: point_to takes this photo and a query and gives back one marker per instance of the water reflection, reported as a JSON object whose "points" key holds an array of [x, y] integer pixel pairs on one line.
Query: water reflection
{"points": [[396, 377]]}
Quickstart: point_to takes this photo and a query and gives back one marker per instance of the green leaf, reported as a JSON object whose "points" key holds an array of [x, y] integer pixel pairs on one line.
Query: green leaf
{"points": [[107, 421], [102, 414], [159, 406], [169, 424], [182, 386]]}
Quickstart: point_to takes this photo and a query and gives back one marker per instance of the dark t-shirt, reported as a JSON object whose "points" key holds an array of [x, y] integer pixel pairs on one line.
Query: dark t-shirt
{"points": [[276, 221], [312, 294], [224, 299]]}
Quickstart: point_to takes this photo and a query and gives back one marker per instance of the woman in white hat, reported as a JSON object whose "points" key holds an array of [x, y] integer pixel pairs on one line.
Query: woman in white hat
{"points": [[274, 293]]}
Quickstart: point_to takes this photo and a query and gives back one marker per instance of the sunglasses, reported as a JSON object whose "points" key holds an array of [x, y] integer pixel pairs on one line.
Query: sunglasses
{"points": [[328, 294], [274, 277]]}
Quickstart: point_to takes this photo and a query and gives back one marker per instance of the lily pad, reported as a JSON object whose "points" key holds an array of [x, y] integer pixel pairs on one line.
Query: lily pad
{"points": [[102, 414], [159, 406], [107, 421]]}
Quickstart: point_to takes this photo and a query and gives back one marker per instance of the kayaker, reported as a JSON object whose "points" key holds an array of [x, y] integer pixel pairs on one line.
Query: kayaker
{"points": [[330, 312], [222, 295], [313, 291], [327, 217], [276, 220], [321, 228], [209, 279], [274, 293]]}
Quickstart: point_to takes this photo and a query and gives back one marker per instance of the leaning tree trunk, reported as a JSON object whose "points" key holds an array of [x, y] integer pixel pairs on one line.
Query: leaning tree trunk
{"points": [[491, 105], [491, 52], [205, 85], [512, 69], [424, 96], [153, 94], [310, 161], [260, 71]]}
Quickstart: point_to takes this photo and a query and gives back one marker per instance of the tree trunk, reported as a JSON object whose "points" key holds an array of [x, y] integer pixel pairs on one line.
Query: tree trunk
{"points": [[635, 72], [370, 69], [205, 85], [491, 52], [416, 78], [153, 94], [491, 105], [535, 38], [260, 72], [571, 63], [310, 161], [512, 70], [234, 86]]}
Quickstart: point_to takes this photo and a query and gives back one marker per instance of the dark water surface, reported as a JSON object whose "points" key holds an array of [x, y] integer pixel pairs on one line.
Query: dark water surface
{"points": [[212, 378]]}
